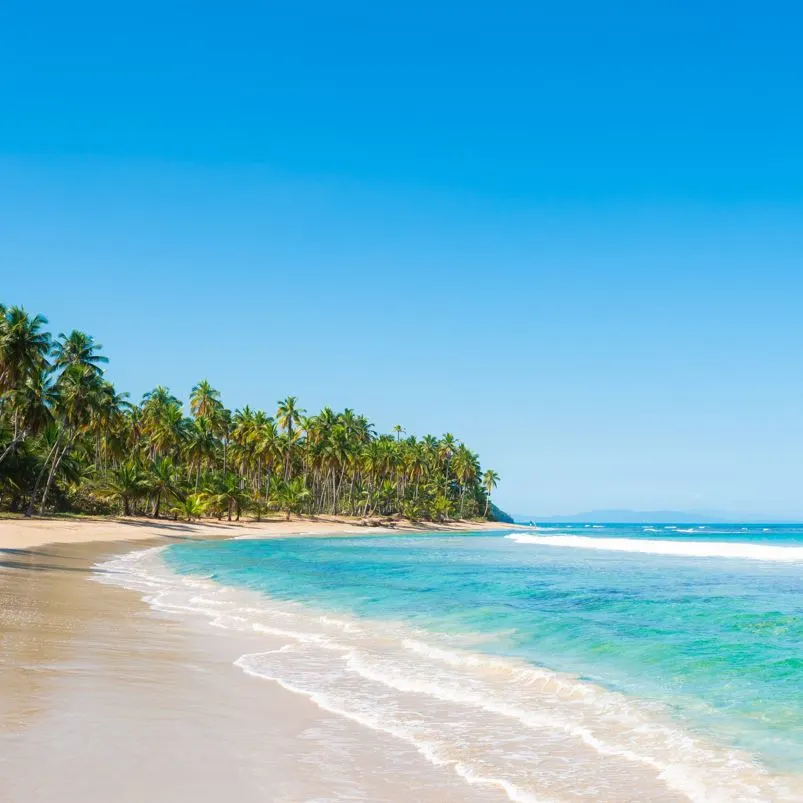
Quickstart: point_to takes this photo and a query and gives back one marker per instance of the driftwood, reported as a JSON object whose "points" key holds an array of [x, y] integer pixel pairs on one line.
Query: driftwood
{"points": [[376, 523]]}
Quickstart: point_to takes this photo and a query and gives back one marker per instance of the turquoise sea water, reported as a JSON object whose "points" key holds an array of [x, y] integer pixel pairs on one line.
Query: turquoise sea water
{"points": [[700, 627]]}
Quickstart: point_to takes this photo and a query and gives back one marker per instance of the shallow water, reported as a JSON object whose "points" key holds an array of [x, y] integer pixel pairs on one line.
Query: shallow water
{"points": [[103, 699], [560, 664]]}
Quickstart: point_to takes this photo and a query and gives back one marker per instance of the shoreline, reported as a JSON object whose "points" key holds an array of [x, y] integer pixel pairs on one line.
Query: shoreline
{"points": [[417, 688], [96, 684], [20, 534], [102, 697], [216, 692]]}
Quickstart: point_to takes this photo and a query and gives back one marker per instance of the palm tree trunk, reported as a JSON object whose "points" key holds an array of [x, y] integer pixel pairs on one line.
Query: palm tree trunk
{"points": [[16, 437], [32, 500], [53, 469], [339, 486], [15, 440]]}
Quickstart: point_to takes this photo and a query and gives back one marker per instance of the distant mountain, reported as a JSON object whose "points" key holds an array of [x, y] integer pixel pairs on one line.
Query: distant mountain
{"points": [[637, 517]]}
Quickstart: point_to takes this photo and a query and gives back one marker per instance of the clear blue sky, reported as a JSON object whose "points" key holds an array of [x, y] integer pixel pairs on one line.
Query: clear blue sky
{"points": [[568, 232]]}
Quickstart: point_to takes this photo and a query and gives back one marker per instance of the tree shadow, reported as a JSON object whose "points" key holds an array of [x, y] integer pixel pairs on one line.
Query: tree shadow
{"points": [[177, 525], [23, 551], [43, 567]]}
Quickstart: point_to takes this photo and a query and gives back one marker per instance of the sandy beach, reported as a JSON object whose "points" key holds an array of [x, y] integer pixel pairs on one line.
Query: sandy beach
{"points": [[123, 677], [27, 533], [102, 698]]}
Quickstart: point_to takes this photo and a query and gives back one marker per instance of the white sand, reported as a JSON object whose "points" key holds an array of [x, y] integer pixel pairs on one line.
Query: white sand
{"points": [[27, 533]]}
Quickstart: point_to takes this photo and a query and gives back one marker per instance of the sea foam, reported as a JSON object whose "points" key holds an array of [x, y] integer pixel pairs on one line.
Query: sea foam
{"points": [[694, 549], [537, 735]]}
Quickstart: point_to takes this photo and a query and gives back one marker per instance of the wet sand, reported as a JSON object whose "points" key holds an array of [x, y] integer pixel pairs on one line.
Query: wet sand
{"points": [[102, 698]]}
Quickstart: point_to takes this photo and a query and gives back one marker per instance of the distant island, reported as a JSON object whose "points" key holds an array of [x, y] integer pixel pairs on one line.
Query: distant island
{"points": [[70, 442]]}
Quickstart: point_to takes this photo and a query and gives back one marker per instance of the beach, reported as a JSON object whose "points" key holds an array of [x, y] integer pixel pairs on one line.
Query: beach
{"points": [[17, 533], [102, 698], [212, 661]]}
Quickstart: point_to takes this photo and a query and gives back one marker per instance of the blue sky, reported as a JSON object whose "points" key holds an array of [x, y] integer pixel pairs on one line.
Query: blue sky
{"points": [[570, 233]]}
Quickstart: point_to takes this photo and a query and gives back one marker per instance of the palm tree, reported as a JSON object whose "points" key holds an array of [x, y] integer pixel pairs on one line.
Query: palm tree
{"points": [[290, 496], [446, 449], [228, 491], [289, 414], [466, 469], [192, 507], [78, 348], [78, 397], [64, 426], [199, 447], [108, 417], [24, 347], [266, 450], [31, 408], [162, 481], [127, 484], [442, 507], [490, 479], [205, 401]]}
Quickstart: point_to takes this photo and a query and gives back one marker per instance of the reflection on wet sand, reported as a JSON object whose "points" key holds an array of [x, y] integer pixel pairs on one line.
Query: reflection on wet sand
{"points": [[103, 699]]}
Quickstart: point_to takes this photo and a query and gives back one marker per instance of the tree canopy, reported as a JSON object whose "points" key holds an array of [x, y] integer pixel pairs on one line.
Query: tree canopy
{"points": [[69, 441]]}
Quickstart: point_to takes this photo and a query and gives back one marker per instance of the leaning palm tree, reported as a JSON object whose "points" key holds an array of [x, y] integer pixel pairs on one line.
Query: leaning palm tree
{"points": [[30, 409], [490, 479], [79, 395]]}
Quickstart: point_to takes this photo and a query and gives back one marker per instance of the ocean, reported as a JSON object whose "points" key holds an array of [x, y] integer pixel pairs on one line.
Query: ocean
{"points": [[563, 663]]}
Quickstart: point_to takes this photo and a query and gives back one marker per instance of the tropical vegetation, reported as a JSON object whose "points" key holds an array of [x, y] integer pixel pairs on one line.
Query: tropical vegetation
{"points": [[70, 442]]}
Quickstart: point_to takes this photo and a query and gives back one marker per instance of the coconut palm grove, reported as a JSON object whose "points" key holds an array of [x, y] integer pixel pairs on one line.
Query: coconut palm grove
{"points": [[71, 443]]}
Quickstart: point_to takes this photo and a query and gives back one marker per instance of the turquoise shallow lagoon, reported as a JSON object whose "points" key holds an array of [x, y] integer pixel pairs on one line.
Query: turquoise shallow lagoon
{"points": [[712, 644]]}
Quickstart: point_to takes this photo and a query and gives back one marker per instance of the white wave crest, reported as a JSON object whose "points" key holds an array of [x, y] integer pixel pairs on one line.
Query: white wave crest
{"points": [[690, 549]]}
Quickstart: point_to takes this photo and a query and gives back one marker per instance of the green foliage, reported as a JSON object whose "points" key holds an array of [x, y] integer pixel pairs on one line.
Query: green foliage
{"points": [[192, 507], [496, 514], [69, 440]]}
